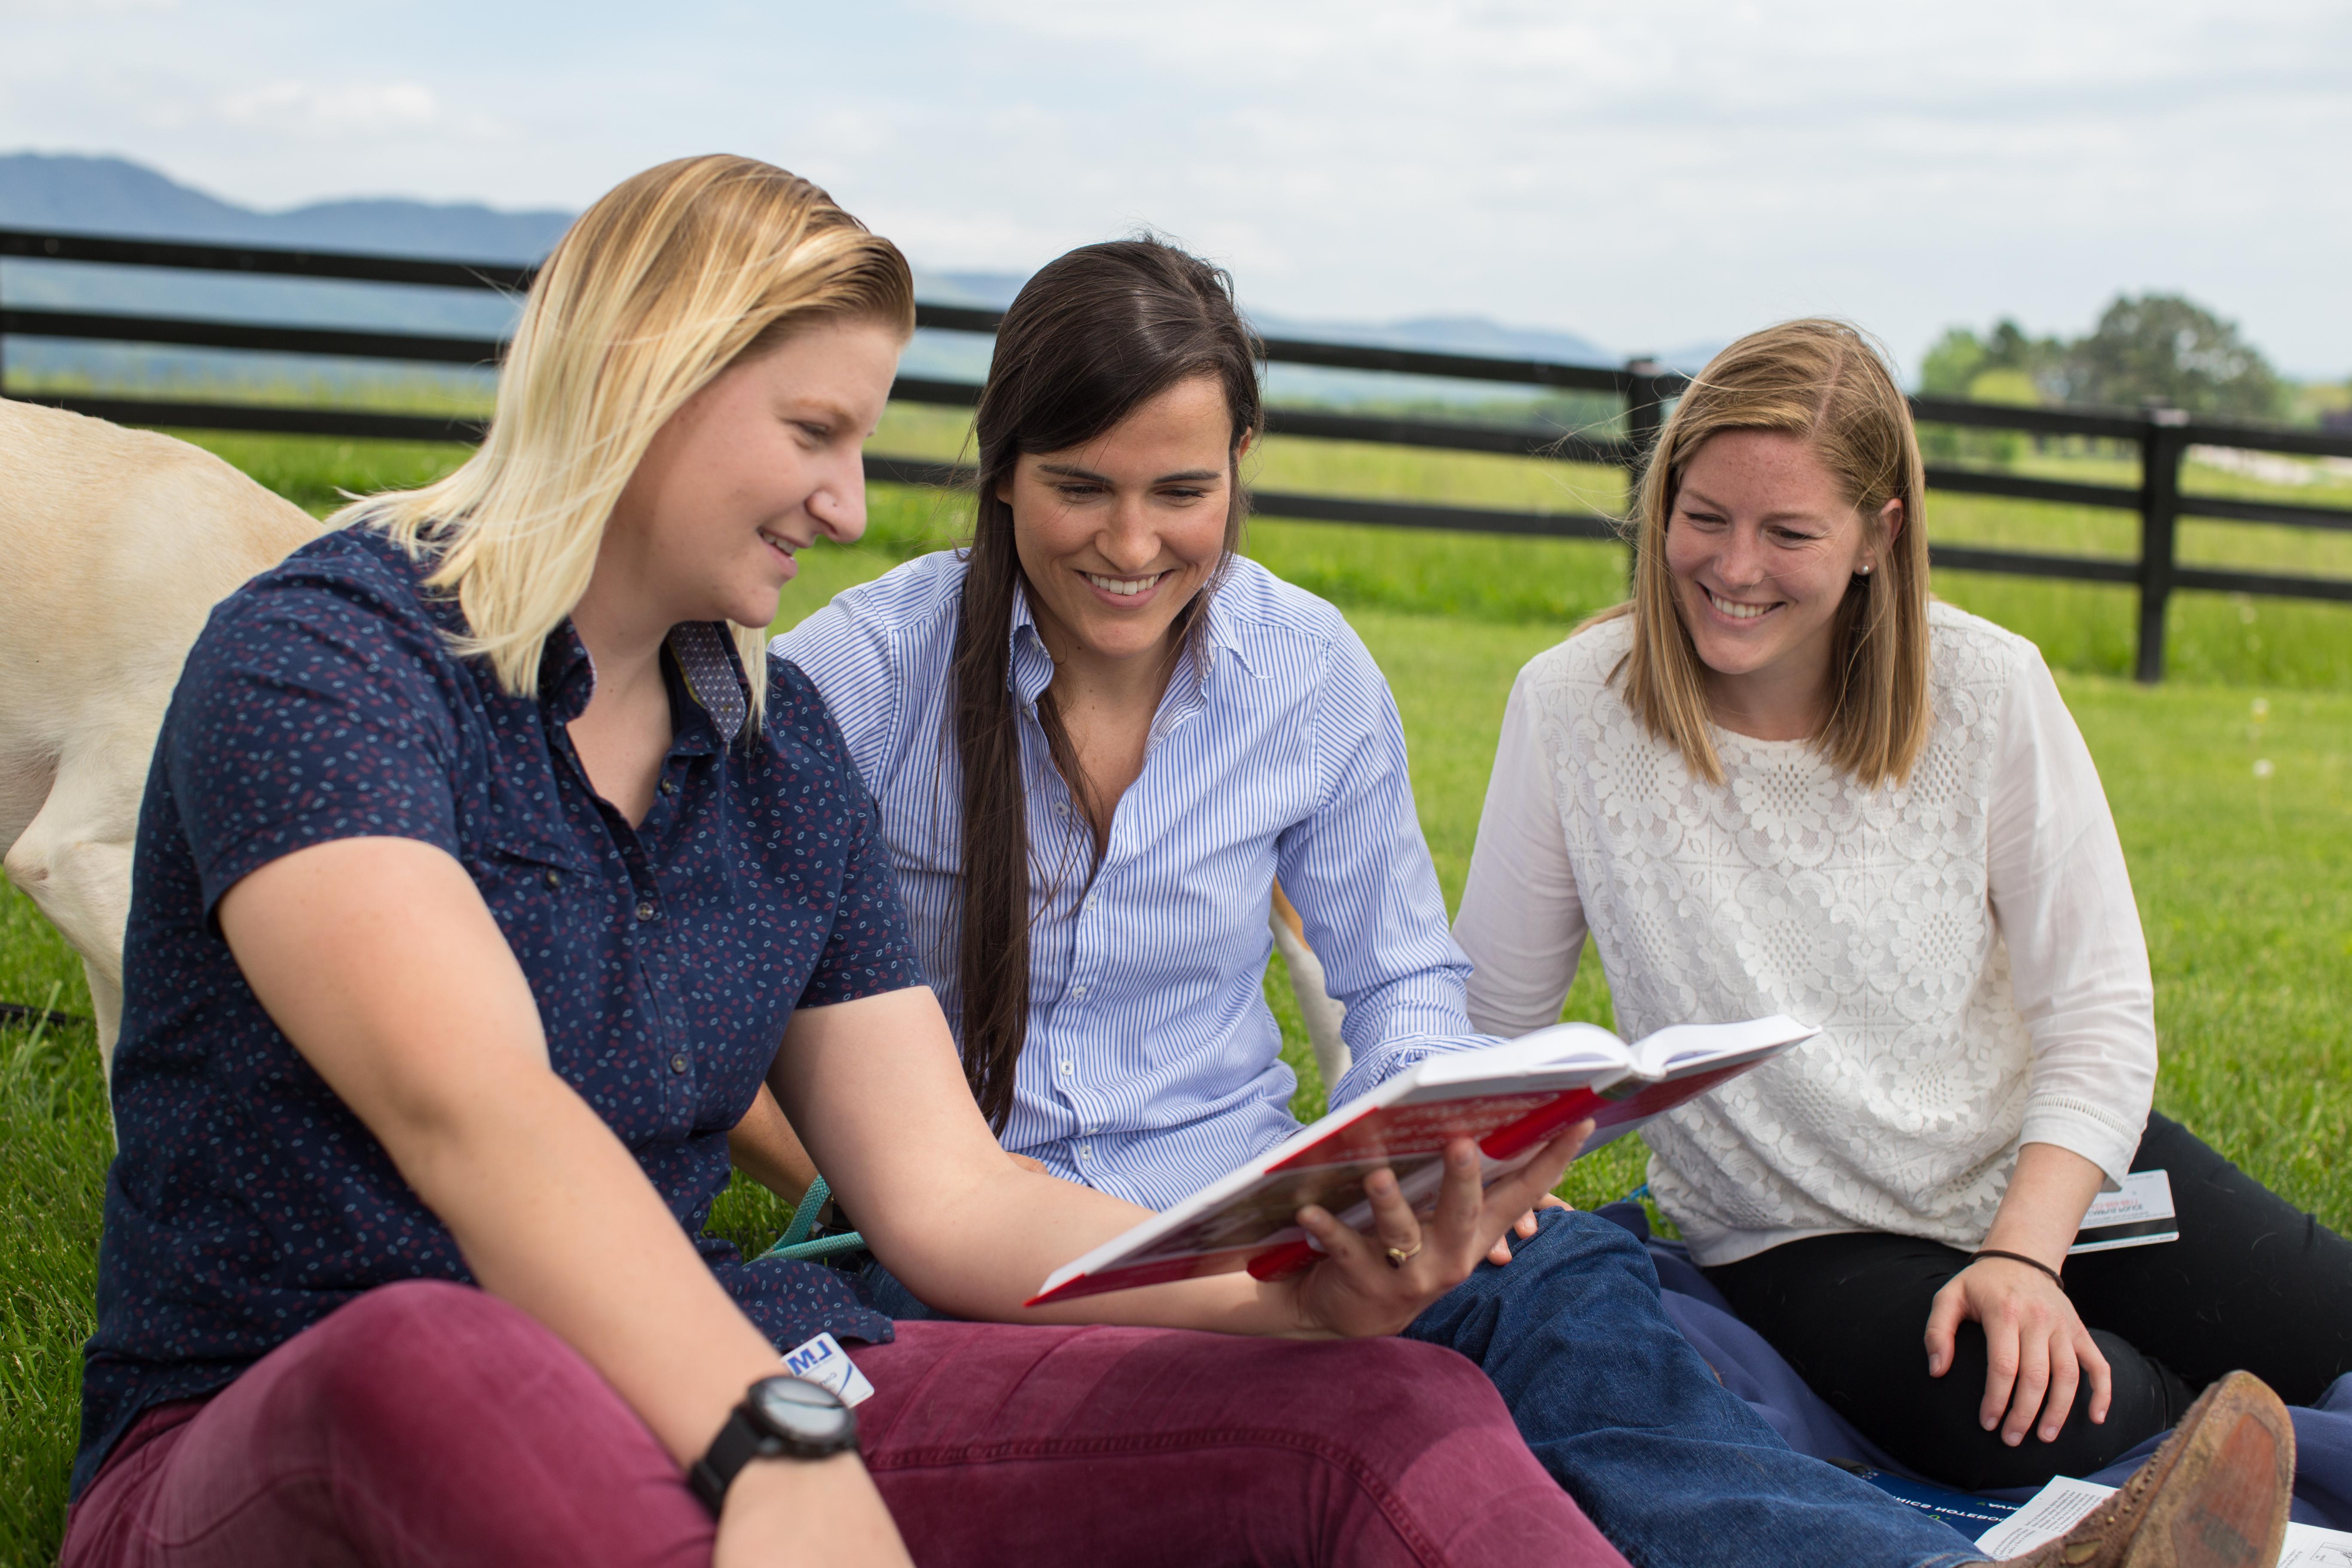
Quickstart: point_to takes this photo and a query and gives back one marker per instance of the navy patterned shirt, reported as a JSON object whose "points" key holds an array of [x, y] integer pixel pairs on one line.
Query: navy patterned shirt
{"points": [[323, 702]]}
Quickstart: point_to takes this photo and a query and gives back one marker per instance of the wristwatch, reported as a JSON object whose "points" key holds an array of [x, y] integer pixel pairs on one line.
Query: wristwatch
{"points": [[780, 1417]]}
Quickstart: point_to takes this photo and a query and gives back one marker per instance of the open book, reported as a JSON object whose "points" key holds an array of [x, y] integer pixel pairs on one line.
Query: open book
{"points": [[1511, 1097]]}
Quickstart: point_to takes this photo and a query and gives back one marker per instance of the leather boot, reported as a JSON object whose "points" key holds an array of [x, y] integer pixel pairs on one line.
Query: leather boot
{"points": [[2215, 1495]]}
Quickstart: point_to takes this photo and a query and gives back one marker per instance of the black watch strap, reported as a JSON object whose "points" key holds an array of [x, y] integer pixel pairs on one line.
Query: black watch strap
{"points": [[752, 1432], [738, 1444]]}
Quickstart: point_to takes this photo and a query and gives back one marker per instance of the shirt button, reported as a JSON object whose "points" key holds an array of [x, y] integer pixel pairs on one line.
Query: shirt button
{"points": [[668, 786], [646, 911], [554, 878], [677, 1063], [1078, 990], [1068, 1069]]}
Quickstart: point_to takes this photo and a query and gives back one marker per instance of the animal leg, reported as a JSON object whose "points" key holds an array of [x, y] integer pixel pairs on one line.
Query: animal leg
{"points": [[73, 860], [1323, 1012]]}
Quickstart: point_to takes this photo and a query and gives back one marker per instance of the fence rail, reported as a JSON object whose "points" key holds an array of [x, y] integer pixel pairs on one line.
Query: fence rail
{"points": [[1645, 388]]}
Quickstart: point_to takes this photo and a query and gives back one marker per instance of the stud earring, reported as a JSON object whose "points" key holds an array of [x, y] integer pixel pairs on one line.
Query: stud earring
{"points": [[1865, 571]]}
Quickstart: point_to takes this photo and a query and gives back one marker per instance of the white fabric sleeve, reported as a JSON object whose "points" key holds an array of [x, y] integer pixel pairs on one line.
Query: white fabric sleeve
{"points": [[1522, 921], [2078, 960]]}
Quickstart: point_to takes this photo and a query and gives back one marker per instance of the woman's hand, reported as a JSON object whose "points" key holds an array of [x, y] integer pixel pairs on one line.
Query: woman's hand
{"points": [[1355, 1289], [1523, 1227], [822, 1512], [2038, 1347]]}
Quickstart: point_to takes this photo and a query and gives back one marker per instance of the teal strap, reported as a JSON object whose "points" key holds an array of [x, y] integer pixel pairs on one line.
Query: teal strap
{"points": [[805, 1216], [794, 1243], [823, 1246]]}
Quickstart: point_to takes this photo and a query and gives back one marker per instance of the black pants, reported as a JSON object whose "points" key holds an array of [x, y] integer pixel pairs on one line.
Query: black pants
{"points": [[2251, 1283]]}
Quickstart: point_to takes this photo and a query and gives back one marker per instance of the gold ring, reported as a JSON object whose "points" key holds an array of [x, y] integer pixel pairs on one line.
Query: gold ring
{"points": [[1399, 1257]]}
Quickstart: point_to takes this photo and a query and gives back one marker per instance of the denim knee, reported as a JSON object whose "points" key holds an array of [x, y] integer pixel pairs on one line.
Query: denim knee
{"points": [[1576, 1262], [1571, 1241]]}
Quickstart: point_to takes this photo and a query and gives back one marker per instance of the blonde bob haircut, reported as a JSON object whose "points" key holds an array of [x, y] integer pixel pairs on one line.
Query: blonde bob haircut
{"points": [[670, 278], [1828, 386]]}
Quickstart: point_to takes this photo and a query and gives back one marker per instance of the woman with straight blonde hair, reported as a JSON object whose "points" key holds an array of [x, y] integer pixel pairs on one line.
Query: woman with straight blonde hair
{"points": [[1784, 780], [489, 869]]}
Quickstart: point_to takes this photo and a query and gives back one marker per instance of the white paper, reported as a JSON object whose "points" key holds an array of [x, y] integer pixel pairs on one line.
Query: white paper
{"points": [[823, 1362], [2146, 1198], [2047, 1515], [2060, 1506]]}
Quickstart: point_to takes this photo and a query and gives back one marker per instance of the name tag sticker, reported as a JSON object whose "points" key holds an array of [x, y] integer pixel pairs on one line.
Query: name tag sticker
{"points": [[2139, 1216], [823, 1362]]}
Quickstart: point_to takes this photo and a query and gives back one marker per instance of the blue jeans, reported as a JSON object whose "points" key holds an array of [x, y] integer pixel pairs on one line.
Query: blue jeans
{"points": [[1673, 1467], [1626, 1416]]}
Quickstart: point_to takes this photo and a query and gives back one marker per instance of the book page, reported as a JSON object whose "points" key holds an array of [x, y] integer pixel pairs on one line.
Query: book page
{"points": [[1683, 1047], [2060, 1506]]}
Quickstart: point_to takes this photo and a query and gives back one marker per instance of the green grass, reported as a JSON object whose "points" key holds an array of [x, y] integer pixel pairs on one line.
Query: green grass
{"points": [[2244, 879], [54, 1145]]}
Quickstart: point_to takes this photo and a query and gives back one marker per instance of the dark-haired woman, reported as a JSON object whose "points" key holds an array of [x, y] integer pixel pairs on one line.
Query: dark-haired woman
{"points": [[487, 871], [1097, 738]]}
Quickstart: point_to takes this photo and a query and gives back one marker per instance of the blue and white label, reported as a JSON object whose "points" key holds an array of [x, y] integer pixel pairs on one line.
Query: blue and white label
{"points": [[823, 1362]]}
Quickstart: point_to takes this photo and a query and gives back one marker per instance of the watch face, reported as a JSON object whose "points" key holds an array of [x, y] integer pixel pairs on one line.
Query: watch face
{"points": [[802, 1412]]}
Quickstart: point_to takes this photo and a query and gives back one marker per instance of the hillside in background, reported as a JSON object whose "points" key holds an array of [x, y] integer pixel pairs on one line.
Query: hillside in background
{"points": [[115, 195]]}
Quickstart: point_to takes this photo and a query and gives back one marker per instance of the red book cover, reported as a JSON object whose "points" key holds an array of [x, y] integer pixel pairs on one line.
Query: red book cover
{"points": [[1511, 1097]]}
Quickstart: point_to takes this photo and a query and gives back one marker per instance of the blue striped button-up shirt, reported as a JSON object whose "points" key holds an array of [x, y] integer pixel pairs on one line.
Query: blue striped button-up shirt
{"points": [[1152, 1065]]}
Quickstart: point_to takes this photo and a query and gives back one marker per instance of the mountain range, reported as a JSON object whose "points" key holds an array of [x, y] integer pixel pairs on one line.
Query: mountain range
{"points": [[115, 195]]}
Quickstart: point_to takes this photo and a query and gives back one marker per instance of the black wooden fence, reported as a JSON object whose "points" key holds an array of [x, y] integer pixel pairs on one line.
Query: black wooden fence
{"points": [[2162, 437]]}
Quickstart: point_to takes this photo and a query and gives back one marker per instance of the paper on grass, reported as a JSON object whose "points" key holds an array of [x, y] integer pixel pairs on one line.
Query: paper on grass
{"points": [[2060, 1506]]}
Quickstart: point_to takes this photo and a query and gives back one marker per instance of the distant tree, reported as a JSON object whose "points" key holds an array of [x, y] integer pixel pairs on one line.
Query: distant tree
{"points": [[2163, 349], [2005, 365]]}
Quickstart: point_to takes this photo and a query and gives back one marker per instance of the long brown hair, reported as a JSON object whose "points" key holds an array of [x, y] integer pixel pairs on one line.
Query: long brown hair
{"points": [[1091, 338], [1827, 384]]}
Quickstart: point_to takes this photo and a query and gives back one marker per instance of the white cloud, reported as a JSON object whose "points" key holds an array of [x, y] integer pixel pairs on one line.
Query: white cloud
{"points": [[363, 107], [1648, 174]]}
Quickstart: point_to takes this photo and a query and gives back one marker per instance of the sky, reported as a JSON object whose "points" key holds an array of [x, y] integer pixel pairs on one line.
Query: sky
{"points": [[1651, 175]]}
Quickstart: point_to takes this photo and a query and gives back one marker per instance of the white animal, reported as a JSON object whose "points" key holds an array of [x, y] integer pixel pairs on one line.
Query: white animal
{"points": [[114, 546], [1322, 1012]]}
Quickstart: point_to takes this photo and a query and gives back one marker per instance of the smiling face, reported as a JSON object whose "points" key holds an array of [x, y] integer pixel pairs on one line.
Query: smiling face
{"points": [[1117, 535], [1763, 546], [752, 469]]}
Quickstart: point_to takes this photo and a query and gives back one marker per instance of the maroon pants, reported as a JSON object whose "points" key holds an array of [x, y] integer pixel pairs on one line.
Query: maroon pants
{"points": [[428, 1423]]}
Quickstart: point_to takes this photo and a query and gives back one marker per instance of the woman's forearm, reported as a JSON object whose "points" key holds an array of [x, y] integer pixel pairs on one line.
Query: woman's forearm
{"points": [[553, 1214], [764, 1147], [2043, 1209]]}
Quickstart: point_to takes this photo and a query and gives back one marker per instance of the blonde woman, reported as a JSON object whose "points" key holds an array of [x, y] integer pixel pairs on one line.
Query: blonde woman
{"points": [[1783, 780], [487, 869]]}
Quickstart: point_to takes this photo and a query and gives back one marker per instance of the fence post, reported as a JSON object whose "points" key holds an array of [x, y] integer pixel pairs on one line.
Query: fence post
{"points": [[1645, 415], [2162, 445]]}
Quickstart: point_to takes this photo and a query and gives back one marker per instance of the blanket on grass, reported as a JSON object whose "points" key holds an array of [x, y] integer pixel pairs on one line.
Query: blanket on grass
{"points": [[1754, 1371]]}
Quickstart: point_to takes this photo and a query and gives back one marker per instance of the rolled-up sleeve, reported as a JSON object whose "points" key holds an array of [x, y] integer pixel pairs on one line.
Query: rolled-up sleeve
{"points": [[2078, 958]]}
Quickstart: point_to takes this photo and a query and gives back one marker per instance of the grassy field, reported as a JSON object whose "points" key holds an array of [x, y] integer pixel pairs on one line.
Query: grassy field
{"points": [[2232, 788]]}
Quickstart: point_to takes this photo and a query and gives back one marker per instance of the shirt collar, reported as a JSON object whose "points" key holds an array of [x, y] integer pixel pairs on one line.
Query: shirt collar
{"points": [[707, 667], [705, 660], [1030, 668]]}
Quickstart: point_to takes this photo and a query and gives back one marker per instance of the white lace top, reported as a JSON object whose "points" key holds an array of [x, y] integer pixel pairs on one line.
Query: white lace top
{"points": [[1968, 943]]}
